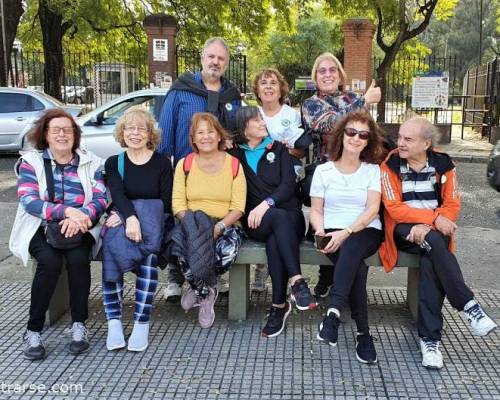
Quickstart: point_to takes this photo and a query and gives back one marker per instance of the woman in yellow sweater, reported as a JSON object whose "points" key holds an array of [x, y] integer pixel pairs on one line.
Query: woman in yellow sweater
{"points": [[212, 181]]}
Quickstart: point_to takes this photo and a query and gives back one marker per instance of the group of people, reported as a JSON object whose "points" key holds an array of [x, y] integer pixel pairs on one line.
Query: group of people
{"points": [[225, 171]]}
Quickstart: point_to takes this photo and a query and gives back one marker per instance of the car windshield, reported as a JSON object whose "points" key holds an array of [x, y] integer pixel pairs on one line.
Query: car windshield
{"points": [[51, 99]]}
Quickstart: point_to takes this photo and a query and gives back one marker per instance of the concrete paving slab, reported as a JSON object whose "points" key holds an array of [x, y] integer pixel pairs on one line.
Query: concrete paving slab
{"points": [[232, 361]]}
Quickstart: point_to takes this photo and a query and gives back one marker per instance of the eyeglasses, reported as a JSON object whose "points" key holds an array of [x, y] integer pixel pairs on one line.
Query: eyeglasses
{"points": [[55, 130], [133, 128], [351, 132], [324, 71]]}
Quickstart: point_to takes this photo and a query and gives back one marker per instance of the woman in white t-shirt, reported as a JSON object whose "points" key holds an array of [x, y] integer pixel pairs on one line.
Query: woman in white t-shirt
{"points": [[282, 121], [345, 200]]}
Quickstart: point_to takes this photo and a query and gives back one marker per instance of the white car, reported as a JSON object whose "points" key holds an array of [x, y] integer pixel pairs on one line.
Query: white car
{"points": [[19, 109], [98, 125]]}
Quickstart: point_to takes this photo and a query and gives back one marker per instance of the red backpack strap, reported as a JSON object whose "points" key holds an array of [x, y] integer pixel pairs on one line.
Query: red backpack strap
{"points": [[188, 162], [235, 166]]}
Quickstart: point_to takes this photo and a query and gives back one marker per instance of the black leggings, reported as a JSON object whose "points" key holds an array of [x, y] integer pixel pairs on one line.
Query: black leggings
{"points": [[350, 274], [49, 266], [440, 276], [281, 230]]}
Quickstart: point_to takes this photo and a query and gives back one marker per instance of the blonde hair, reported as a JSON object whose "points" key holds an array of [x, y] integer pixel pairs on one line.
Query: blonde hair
{"points": [[141, 114], [330, 57], [213, 123]]}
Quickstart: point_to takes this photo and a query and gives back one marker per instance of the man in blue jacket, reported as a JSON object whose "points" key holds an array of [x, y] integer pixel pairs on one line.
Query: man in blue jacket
{"points": [[204, 91]]}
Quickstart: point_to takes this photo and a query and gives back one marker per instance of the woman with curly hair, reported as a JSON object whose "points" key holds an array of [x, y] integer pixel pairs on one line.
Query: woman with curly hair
{"points": [[140, 182], [345, 201]]}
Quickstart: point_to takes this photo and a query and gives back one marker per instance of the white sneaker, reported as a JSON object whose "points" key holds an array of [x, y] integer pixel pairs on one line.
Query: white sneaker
{"points": [[138, 340], [479, 322], [115, 339], [431, 356], [172, 292], [222, 284], [261, 275]]}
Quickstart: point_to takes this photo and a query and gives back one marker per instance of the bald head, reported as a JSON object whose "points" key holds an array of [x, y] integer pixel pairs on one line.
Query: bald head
{"points": [[426, 129], [415, 137]]}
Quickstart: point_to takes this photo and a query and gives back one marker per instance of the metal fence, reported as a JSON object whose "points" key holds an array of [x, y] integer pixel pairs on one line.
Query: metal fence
{"points": [[399, 88], [482, 96], [93, 79]]}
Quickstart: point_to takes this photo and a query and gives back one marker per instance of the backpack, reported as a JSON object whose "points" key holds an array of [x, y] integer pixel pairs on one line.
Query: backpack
{"points": [[188, 162]]}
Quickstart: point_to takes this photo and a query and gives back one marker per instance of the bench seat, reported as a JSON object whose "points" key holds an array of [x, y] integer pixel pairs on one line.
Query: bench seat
{"points": [[252, 252]]}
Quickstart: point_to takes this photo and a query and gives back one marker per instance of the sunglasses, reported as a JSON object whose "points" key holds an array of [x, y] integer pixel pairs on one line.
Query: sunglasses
{"points": [[351, 132]]}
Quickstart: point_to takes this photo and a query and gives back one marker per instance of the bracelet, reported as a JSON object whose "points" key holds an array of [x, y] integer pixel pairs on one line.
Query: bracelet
{"points": [[349, 230], [222, 226]]}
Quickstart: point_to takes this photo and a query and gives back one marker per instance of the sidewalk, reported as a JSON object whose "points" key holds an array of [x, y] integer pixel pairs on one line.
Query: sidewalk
{"points": [[473, 148], [232, 361]]}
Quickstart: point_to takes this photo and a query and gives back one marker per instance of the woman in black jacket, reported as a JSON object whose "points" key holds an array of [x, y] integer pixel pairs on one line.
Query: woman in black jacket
{"points": [[273, 213]]}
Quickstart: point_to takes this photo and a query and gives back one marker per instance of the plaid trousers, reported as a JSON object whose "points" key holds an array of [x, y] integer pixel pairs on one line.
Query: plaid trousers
{"points": [[145, 288]]}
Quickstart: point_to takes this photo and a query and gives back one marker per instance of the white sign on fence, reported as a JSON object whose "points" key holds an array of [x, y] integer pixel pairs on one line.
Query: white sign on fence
{"points": [[430, 90]]}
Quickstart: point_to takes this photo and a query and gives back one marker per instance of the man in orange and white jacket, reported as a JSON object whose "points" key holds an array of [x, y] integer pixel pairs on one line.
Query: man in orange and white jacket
{"points": [[422, 204]]}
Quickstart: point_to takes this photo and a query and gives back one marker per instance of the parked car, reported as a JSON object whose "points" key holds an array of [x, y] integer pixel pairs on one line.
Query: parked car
{"points": [[493, 169], [98, 125], [19, 108]]}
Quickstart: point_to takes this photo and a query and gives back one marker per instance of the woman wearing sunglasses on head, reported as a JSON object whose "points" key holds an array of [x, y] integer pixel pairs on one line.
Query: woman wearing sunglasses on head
{"points": [[345, 200]]}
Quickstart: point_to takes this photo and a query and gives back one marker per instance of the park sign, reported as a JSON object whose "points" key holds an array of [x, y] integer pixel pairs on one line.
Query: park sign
{"points": [[430, 90]]}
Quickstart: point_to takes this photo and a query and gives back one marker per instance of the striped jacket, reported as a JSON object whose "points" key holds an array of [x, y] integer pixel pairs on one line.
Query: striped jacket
{"points": [[397, 211]]}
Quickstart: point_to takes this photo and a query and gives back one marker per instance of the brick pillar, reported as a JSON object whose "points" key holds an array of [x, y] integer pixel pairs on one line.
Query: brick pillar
{"points": [[161, 30], [358, 39]]}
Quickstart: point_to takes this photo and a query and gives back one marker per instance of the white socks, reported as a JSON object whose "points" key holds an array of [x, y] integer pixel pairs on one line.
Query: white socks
{"points": [[115, 339], [138, 340]]}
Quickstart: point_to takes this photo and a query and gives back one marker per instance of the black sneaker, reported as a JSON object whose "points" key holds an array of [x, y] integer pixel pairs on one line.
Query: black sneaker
{"points": [[34, 348], [79, 342], [329, 329], [302, 297], [322, 288], [276, 320], [365, 349]]}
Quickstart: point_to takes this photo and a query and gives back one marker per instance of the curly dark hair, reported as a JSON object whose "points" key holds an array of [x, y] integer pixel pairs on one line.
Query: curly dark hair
{"points": [[268, 73], [38, 134], [373, 153]]}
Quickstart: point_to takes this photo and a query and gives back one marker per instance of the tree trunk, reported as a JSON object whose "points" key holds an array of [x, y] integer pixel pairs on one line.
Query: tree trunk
{"points": [[382, 79], [13, 9], [51, 24]]}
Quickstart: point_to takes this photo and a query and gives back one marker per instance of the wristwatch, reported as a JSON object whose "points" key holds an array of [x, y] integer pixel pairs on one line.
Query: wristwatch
{"points": [[270, 202], [349, 230], [222, 226]]}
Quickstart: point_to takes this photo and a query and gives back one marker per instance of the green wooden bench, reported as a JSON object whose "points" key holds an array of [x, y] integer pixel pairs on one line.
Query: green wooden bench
{"points": [[239, 279], [254, 253]]}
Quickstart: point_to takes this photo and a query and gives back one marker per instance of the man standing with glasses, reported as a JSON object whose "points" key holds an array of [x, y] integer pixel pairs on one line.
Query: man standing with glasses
{"points": [[203, 91]]}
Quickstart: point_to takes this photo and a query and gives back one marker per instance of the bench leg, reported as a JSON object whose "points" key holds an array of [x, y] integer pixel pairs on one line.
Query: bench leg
{"points": [[59, 303], [239, 292], [412, 291]]}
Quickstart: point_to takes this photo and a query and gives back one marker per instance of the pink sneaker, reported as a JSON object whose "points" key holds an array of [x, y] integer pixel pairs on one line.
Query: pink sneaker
{"points": [[206, 315], [189, 300]]}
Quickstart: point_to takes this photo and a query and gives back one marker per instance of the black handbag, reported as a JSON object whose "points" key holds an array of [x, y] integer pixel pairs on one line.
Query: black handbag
{"points": [[53, 233]]}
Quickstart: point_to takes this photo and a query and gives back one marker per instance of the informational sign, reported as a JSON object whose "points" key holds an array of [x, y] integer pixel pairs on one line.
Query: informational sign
{"points": [[160, 50], [430, 90], [304, 83], [162, 80]]}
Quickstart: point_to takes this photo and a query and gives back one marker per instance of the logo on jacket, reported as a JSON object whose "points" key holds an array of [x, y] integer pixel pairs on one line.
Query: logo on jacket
{"points": [[271, 157]]}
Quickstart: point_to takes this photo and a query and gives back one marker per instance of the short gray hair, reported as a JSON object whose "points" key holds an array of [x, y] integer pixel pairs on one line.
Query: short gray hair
{"points": [[213, 40], [427, 129]]}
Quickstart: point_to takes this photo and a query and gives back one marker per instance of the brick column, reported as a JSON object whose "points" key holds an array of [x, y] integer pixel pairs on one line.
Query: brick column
{"points": [[161, 30], [358, 39]]}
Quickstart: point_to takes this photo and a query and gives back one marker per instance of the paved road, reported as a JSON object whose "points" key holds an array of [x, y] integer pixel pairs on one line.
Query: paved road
{"points": [[478, 237]]}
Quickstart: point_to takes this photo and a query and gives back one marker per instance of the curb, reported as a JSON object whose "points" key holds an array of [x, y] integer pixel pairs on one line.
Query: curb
{"points": [[469, 158]]}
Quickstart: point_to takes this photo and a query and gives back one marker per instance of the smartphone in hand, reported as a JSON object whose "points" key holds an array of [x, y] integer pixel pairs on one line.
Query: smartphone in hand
{"points": [[321, 241]]}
